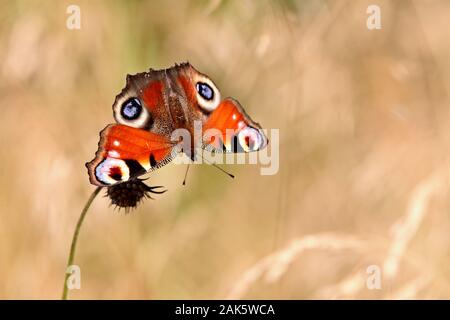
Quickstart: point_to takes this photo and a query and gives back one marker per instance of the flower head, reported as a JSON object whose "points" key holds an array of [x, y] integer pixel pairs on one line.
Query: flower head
{"points": [[129, 194]]}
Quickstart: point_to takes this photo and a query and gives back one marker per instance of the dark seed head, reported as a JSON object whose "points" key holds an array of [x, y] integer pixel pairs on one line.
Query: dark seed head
{"points": [[129, 194]]}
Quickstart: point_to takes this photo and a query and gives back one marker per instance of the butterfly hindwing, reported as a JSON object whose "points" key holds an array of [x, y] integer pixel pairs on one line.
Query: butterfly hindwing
{"points": [[125, 152], [229, 129]]}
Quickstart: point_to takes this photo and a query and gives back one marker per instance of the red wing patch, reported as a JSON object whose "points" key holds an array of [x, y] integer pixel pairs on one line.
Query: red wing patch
{"points": [[125, 152], [153, 94], [230, 129]]}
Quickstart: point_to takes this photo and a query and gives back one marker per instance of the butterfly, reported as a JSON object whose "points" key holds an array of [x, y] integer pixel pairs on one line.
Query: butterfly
{"points": [[155, 103]]}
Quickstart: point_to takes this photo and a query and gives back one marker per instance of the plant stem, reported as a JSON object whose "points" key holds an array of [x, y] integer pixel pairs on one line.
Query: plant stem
{"points": [[73, 246]]}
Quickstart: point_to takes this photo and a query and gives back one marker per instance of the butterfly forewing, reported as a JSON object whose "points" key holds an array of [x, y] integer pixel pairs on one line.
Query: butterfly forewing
{"points": [[126, 152]]}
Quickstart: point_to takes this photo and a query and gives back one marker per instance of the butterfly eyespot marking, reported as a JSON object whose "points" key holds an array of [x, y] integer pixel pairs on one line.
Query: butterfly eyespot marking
{"points": [[208, 96], [111, 171], [205, 91], [251, 139], [131, 109], [132, 112], [115, 173]]}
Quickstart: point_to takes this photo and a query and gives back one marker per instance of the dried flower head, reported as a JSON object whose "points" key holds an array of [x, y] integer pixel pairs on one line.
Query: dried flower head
{"points": [[129, 194]]}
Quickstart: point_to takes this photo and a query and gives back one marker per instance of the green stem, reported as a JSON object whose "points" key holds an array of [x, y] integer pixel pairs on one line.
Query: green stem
{"points": [[73, 246]]}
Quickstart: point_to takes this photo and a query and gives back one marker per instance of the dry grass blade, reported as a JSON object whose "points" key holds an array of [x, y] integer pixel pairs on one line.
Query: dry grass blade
{"points": [[276, 264]]}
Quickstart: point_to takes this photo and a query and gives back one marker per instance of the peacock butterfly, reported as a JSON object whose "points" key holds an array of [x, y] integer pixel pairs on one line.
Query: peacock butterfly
{"points": [[155, 103]]}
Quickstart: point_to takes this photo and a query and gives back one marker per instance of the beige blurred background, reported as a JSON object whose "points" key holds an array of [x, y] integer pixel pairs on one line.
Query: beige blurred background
{"points": [[364, 119]]}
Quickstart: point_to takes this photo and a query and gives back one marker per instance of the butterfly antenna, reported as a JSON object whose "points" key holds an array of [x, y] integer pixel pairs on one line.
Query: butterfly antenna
{"points": [[185, 174], [217, 167]]}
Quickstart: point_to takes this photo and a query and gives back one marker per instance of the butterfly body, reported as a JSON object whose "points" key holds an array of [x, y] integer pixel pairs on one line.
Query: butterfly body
{"points": [[151, 107]]}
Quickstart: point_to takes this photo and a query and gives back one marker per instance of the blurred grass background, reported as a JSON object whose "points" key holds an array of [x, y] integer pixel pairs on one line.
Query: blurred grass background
{"points": [[364, 139]]}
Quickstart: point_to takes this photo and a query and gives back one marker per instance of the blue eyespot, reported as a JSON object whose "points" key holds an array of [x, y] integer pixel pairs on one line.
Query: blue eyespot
{"points": [[131, 109], [205, 91]]}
